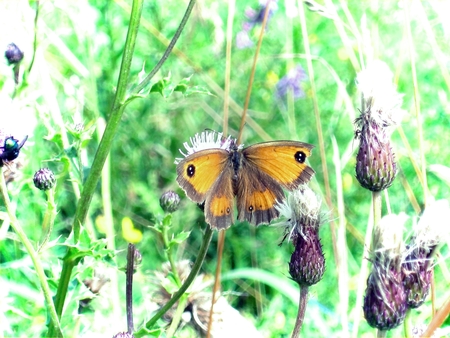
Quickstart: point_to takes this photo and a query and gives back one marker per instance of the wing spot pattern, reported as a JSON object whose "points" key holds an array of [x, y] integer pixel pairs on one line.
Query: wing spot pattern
{"points": [[190, 171], [300, 157]]}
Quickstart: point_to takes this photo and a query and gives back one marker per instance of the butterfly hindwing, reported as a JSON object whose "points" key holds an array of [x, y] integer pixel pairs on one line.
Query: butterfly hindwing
{"points": [[257, 194], [284, 161], [198, 172], [219, 201]]}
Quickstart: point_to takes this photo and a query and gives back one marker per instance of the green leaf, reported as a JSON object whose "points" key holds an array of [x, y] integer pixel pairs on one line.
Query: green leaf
{"points": [[179, 238], [197, 90]]}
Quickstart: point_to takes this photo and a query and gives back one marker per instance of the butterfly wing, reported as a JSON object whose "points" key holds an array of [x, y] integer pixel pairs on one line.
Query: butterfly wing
{"points": [[198, 172], [283, 161], [257, 194], [219, 200]]}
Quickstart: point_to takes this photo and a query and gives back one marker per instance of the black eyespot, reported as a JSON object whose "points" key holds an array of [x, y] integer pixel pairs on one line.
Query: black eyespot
{"points": [[190, 170], [300, 157], [228, 211], [250, 208]]}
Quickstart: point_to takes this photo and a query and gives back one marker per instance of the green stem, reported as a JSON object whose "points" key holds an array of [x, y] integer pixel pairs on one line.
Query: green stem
{"points": [[102, 152], [49, 218], [166, 54], [113, 122], [177, 316], [168, 250], [195, 269], [376, 200], [54, 322], [407, 327]]}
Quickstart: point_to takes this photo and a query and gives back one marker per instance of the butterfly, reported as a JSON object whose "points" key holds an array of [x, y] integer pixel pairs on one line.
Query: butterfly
{"points": [[256, 175]]}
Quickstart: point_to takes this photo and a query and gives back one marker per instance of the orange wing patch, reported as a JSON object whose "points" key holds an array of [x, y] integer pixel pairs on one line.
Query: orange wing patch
{"points": [[198, 172], [219, 201], [284, 161]]}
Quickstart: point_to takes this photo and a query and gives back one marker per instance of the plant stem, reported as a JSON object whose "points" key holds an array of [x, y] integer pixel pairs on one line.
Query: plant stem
{"points": [[102, 152], [195, 269], [113, 122], [168, 250], [54, 322], [129, 287], [172, 43], [49, 218], [376, 203], [303, 301]]}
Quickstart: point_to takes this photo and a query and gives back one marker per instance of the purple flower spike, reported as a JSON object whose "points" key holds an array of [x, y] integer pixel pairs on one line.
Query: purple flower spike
{"points": [[292, 81]]}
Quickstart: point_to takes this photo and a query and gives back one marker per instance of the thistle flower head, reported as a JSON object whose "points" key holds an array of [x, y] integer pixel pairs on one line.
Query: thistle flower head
{"points": [[44, 179], [169, 201], [302, 208], [13, 54], [428, 233], [375, 162], [385, 300], [207, 140]]}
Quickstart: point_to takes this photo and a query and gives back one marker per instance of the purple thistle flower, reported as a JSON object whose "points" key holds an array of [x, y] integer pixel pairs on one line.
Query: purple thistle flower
{"points": [[291, 82], [243, 40]]}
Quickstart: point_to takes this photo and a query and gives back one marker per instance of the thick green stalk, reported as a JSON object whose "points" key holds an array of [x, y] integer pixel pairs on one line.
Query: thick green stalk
{"points": [[113, 122], [70, 261], [54, 321]]}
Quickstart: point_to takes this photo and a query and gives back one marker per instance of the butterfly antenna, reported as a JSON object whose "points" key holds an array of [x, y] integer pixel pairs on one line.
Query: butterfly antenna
{"points": [[252, 74]]}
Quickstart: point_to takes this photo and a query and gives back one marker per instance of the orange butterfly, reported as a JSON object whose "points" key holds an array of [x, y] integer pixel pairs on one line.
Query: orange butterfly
{"points": [[255, 175]]}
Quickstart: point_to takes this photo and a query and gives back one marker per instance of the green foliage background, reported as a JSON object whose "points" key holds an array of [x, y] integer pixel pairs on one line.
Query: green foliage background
{"points": [[73, 78]]}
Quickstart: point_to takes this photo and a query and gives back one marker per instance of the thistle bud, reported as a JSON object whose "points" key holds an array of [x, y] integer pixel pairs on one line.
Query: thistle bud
{"points": [[428, 233], [44, 179], [375, 163], [385, 300], [417, 280], [13, 54], [169, 201], [307, 264], [302, 208]]}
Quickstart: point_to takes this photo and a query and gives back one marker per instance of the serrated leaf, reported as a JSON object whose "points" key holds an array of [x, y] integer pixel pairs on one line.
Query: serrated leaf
{"points": [[169, 284], [167, 220], [179, 238], [197, 90], [161, 85]]}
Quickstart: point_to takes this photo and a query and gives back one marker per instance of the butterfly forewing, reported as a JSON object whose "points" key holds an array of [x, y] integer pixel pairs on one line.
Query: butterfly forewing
{"points": [[284, 161], [198, 172]]}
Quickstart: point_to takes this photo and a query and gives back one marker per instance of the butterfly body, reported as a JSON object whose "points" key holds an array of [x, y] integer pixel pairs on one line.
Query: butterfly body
{"points": [[256, 175]]}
